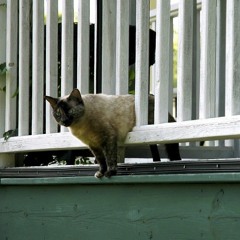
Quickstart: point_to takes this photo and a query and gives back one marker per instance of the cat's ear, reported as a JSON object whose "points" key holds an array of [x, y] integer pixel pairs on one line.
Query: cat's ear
{"points": [[76, 94], [52, 101]]}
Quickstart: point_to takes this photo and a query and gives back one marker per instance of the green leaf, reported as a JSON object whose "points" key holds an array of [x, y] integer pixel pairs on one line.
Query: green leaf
{"points": [[3, 68], [3, 89], [9, 133], [15, 93]]}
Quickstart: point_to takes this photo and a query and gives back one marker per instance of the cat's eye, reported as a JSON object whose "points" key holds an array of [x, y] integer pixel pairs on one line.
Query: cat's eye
{"points": [[58, 113]]}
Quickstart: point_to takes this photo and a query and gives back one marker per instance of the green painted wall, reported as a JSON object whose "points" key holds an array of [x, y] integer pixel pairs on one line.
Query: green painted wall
{"points": [[168, 207]]}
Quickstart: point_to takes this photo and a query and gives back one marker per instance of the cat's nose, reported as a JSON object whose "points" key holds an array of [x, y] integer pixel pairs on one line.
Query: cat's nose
{"points": [[66, 123]]}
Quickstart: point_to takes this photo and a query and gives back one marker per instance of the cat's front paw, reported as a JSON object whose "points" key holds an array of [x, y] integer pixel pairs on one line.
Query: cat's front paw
{"points": [[98, 174], [110, 173]]}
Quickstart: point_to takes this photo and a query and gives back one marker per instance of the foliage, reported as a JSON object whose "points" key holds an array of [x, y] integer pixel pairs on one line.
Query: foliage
{"points": [[82, 161], [175, 57], [131, 87], [3, 70]]}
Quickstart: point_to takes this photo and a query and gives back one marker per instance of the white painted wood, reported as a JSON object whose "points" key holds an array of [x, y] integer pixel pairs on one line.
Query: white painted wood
{"points": [[220, 57], [175, 9], [196, 130], [51, 60], [170, 82], [23, 104], [67, 49], [122, 47], [37, 66], [83, 46], [162, 61], [7, 160], [3, 17], [186, 131], [109, 47], [208, 60], [232, 64], [220, 60], [142, 61], [196, 64], [11, 57], [185, 58], [54, 141], [232, 59]]}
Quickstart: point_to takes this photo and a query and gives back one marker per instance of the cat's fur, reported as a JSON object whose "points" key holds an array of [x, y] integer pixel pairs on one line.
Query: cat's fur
{"points": [[102, 122]]}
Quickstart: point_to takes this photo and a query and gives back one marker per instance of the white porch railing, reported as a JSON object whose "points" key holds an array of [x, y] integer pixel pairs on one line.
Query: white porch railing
{"points": [[208, 80]]}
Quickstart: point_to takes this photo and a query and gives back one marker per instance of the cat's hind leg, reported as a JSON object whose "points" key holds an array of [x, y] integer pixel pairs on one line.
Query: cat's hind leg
{"points": [[110, 151], [99, 158], [173, 151]]}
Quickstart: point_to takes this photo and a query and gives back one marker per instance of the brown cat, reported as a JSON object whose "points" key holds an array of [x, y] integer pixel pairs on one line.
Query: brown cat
{"points": [[101, 122]]}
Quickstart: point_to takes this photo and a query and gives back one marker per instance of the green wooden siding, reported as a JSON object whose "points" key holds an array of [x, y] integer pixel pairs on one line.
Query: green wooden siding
{"points": [[168, 207]]}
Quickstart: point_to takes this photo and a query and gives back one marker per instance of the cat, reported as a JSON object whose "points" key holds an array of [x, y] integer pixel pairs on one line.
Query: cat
{"points": [[102, 122]]}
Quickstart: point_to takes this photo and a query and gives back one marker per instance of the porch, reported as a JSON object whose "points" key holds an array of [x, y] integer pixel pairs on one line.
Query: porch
{"points": [[204, 108], [45, 56]]}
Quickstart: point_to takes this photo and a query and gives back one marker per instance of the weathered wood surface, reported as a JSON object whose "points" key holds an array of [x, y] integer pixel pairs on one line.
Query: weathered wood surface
{"points": [[185, 61], [162, 71], [51, 60], [142, 61], [67, 49], [23, 88], [3, 20], [207, 129], [38, 67], [208, 61], [11, 64], [109, 47], [83, 46], [122, 46], [168, 207]]}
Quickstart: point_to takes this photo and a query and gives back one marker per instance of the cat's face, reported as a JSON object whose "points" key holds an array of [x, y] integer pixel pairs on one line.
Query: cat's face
{"points": [[68, 109]]}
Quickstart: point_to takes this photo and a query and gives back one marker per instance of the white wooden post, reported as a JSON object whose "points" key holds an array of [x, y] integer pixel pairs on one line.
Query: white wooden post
{"points": [[11, 56], [10, 44], [3, 17], [122, 54], [142, 62], [23, 104], [232, 106], [162, 61], [51, 60], [67, 47], [220, 60], [220, 57], [196, 63], [185, 54], [208, 60], [109, 47], [122, 47], [37, 66], [170, 82], [83, 46], [67, 50]]}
